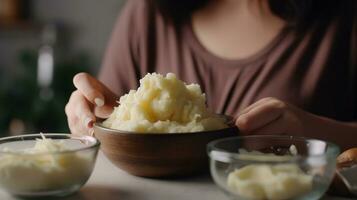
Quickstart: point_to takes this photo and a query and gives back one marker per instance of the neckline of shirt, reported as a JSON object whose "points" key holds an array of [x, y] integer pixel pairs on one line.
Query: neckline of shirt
{"points": [[206, 54]]}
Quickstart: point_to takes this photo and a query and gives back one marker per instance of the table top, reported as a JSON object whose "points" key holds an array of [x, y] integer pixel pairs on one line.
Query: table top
{"points": [[109, 183]]}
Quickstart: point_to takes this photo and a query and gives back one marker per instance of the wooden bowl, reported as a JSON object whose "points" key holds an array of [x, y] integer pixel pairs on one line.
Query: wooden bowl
{"points": [[159, 155]]}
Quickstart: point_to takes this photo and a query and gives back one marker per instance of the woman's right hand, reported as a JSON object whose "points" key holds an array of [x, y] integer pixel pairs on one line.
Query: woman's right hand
{"points": [[90, 101]]}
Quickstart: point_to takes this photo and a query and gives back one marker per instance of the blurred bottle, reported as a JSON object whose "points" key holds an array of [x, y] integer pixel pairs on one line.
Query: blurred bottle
{"points": [[45, 65]]}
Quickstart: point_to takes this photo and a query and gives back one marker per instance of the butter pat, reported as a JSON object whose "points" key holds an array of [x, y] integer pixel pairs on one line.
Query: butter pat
{"points": [[43, 168], [163, 105], [272, 182]]}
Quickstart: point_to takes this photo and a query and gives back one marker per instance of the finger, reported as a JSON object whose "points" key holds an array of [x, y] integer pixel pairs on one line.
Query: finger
{"points": [[258, 103], [79, 108], [260, 116], [83, 111], [78, 125], [276, 127], [75, 127], [110, 98], [72, 126], [79, 131], [90, 88], [104, 111]]}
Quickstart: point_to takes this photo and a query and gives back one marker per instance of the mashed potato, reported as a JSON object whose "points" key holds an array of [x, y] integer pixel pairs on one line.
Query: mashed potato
{"points": [[271, 182], [41, 168], [163, 105]]}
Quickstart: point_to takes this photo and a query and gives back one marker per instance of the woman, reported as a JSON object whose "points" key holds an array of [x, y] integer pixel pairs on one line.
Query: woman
{"points": [[280, 67]]}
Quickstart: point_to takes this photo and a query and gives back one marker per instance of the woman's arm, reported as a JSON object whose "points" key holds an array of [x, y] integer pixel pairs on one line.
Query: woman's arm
{"points": [[272, 116], [342, 133]]}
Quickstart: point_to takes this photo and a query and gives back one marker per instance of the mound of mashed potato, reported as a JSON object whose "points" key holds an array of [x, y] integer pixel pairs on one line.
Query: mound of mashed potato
{"points": [[164, 105]]}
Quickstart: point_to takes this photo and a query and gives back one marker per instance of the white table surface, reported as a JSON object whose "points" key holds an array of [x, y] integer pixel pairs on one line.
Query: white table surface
{"points": [[110, 183]]}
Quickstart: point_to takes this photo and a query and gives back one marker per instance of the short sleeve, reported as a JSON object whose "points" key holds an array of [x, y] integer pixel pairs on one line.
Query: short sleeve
{"points": [[120, 71]]}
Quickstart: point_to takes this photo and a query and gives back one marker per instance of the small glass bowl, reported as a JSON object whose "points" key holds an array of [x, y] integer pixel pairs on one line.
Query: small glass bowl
{"points": [[57, 173], [315, 159]]}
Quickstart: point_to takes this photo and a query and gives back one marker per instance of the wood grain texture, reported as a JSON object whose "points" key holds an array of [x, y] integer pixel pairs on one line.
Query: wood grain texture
{"points": [[159, 155]]}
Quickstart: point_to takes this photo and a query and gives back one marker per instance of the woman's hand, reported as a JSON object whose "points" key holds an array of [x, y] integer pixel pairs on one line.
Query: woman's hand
{"points": [[92, 99], [272, 116]]}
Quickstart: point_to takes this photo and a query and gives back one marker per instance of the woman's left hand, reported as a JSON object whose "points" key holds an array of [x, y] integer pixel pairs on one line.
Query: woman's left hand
{"points": [[272, 116]]}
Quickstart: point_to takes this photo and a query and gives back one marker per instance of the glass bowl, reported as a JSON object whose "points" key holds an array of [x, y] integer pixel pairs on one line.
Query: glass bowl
{"points": [[56, 173], [272, 167]]}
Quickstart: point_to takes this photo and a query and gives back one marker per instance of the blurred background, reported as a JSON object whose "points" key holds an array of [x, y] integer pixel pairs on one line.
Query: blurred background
{"points": [[43, 43]]}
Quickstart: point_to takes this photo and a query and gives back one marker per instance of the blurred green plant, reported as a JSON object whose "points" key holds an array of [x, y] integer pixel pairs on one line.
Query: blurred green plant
{"points": [[20, 97]]}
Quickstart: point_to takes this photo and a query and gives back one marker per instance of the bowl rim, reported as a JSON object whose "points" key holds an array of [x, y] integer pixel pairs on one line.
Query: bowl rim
{"points": [[95, 143], [229, 122], [120, 132], [215, 152]]}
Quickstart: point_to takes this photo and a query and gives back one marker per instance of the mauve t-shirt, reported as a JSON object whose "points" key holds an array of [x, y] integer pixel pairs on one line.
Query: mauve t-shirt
{"points": [[314, 69]]}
